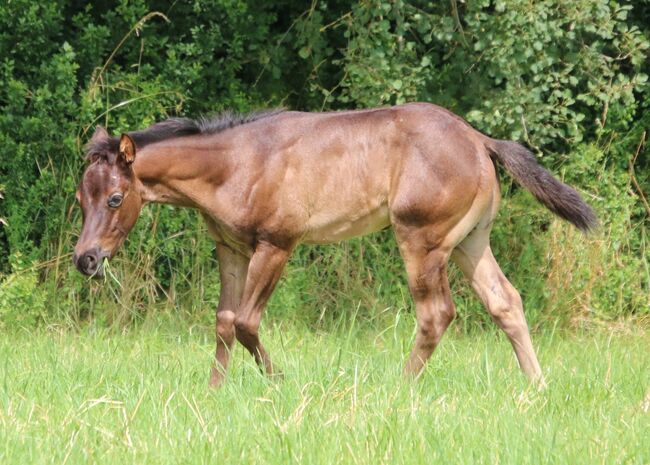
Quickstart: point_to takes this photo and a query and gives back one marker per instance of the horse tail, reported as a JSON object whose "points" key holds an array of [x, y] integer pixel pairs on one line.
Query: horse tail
{"points": [[561, 199]]}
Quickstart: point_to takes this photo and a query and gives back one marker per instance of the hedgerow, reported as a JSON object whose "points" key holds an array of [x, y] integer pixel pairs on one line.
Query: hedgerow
{"points": [[567, 78]]}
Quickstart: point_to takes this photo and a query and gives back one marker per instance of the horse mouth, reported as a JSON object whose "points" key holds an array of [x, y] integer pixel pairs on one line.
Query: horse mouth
{"points": [[99, 273]]}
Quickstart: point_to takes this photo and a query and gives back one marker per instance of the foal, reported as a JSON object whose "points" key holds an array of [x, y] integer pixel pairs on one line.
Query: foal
{"points": [[268, 181]]}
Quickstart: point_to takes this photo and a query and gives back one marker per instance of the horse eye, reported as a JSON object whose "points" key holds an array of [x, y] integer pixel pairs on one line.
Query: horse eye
{"points": [[115, 200]]}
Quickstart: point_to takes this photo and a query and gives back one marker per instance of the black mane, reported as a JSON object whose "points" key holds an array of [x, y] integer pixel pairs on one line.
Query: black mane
{"points": [[175, 127]]}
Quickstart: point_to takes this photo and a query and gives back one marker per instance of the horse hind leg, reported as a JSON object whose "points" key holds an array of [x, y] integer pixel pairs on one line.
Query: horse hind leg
{"points": [[426, 270], [474, 257]]}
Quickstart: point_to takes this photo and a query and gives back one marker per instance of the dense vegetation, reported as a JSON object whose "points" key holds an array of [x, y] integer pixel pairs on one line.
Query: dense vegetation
{"points": [[567, 78]]}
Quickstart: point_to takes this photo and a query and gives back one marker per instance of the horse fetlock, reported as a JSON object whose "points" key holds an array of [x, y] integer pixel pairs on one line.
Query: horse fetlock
{"points": [[217, 377]]}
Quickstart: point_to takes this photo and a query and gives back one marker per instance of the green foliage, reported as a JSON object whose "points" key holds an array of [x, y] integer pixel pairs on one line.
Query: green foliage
{"points": [[516, 69], [549, 65], [615, 271], [379, 38], [569, 78], [22, 301]]}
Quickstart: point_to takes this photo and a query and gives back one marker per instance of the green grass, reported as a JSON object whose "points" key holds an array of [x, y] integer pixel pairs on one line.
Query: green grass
{"points": [[142, 397]]}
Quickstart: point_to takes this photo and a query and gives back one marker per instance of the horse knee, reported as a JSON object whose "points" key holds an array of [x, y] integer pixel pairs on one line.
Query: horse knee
{"points": [[226, 318], [226, 326], [246, 331], [245, 328]]}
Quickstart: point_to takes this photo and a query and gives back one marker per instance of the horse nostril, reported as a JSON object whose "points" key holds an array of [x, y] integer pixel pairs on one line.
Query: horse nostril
{"points": [[87, 263]]}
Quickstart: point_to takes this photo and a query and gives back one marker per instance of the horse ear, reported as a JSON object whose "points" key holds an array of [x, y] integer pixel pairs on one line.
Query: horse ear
{"points": [[99, 134], [127, 149]]}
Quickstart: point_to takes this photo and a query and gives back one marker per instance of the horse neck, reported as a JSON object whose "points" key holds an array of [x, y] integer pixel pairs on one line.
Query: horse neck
{"points": [[180, 171]]}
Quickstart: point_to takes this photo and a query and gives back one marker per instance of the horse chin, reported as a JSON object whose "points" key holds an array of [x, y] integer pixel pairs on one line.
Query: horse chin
{"points": [[99, 273]]}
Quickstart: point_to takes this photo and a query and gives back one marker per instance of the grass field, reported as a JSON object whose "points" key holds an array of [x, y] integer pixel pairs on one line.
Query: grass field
{"points": [[142, 397]]}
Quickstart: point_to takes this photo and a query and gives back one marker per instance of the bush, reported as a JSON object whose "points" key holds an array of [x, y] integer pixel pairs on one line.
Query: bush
{"points": [[569, 78], [22, 301]]}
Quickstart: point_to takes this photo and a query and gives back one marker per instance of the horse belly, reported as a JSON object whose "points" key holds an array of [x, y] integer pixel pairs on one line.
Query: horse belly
{"points": [[341, 227]]}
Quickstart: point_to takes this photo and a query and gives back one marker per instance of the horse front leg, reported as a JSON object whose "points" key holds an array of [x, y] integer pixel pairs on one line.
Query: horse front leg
{"points": [[233, 268], [264, 271]]}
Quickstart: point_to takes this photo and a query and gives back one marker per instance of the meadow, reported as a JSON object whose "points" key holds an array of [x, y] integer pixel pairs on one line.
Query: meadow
{"points": [[117, 371], [141, 396]]}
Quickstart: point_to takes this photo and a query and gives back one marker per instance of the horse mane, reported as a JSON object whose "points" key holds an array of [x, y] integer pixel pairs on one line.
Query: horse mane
{"points": [[171, 128]]}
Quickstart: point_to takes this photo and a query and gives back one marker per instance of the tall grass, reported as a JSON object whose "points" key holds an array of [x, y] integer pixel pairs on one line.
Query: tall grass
{"points": [[142, 397]]}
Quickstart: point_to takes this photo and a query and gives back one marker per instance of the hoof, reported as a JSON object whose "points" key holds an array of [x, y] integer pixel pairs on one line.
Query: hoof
{"points": [[540, 383], [217, 378], [276, 376]]}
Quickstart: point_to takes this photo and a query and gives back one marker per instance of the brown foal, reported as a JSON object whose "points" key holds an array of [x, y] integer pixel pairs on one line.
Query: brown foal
{"points": [[268, 181]]}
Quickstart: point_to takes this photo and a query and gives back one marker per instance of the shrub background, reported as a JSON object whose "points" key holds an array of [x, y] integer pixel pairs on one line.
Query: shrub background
{"points": [[567, 78]]}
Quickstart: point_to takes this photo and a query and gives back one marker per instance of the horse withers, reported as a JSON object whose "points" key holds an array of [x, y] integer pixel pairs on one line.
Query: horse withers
{"points": [[268, 181]]}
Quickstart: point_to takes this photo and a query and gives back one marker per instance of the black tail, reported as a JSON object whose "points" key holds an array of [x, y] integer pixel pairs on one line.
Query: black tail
{"points": [[561, 199]]}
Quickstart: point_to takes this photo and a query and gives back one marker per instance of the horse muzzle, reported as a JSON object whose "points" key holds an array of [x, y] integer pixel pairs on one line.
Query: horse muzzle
{"points": [[90, 262]]}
